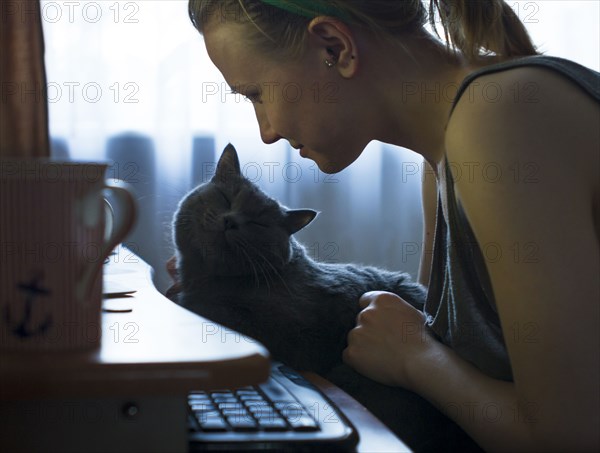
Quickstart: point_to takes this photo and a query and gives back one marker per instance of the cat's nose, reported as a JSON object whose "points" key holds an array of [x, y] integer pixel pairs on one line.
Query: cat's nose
{"points": [[230, 223]]}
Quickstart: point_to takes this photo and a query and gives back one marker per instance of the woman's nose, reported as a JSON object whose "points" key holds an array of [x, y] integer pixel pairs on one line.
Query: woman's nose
{"points": [[267, 133], [269, 136]]}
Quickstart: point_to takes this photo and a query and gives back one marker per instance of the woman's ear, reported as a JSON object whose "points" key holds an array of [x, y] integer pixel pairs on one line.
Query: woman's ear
{"points": [[336, 44]]}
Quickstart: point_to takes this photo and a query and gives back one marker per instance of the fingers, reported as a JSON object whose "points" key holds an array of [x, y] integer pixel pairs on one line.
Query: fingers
{"points": [[388, 331], [172, 267], [349, 355], [173, 291], [373, 296]]}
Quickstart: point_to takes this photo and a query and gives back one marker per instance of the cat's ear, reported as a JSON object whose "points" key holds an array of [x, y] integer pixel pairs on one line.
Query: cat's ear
{"points": [[296, 219], [229, 164]]}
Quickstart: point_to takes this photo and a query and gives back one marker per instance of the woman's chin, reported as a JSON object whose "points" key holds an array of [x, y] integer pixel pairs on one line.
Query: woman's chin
{"points": [[330, 168], [324, 164], [334, 157]]}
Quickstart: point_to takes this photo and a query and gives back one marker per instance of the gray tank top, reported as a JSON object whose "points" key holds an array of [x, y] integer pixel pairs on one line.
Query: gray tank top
{"points": [[460, 306]]}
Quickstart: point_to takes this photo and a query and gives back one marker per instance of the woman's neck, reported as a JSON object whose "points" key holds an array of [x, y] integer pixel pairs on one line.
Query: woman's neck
{"points": [[414, 93]]}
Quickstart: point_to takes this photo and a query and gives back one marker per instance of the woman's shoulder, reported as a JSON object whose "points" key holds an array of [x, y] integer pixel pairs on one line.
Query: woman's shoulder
{"points": [[519, 81], [526, 135], [526, 112]]}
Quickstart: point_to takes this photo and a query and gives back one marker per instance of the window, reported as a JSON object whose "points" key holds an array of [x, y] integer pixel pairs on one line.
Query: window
{"points": [[131, 81]]}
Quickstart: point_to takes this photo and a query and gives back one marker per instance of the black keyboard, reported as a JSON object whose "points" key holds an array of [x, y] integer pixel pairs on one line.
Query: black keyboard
{"points": [[287, 412]]}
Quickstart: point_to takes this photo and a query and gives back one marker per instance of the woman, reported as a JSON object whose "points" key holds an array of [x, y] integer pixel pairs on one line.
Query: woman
{"points": [[507, 345]]}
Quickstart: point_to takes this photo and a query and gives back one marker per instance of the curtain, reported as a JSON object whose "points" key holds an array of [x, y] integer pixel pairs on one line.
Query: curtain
{"points": [[23, 107], [130, 82]]}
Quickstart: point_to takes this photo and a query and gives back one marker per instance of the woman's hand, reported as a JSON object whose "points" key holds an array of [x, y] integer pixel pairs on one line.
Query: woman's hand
{"points": [[389, 335], [174, 290]]}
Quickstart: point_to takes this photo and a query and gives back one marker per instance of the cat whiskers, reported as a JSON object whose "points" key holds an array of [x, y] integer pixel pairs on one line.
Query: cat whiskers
{"points": [[250, 251], [255, 264], [275, 271], [241, 245]]}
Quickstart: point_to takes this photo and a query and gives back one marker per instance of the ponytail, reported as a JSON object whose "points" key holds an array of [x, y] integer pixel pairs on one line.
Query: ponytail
{"points": [[482, 26]]}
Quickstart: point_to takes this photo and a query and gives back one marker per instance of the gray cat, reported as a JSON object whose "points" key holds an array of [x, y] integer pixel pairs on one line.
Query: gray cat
{"points": [[239, 265]]}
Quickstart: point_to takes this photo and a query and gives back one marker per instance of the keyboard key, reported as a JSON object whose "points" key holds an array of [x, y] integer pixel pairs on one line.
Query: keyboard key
{"points": [[199, 398], [295, 377], [258, 409], [304, 423], [266, 412], [203, 407], [251, 398], [276, 392], [198, 395], [292, 412], [200, 403], [211, 421], [233, 406], [206, 417], [242, 424], [214, 426], [209, 417], [256, 403], [237, 413], [266, 415], [274, 424], [225, 399], [222, 393]]}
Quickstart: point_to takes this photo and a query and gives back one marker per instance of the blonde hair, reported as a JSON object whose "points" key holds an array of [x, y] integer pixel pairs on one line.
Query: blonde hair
{"points": [[473, 27], [477, 27]]}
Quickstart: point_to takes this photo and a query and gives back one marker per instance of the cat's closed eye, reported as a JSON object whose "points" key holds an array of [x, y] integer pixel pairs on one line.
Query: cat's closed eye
{"points": [[258, 224]]}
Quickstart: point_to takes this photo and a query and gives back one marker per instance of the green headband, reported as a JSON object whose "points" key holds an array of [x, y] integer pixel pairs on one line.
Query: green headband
{"points": [[308, 8]]}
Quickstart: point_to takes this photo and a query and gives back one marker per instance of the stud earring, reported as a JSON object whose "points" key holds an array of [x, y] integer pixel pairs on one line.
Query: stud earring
{"points": [[330, 64]]}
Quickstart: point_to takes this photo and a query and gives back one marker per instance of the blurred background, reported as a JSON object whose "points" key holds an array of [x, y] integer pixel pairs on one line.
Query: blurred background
{"points": [[130, 82]]}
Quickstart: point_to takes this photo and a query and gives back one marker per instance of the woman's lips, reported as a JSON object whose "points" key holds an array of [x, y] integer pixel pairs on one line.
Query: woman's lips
{"points": [[300, 148]]}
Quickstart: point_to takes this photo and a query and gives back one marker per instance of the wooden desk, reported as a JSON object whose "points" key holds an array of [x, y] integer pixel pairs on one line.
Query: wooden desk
{"points": [[130, 394]]}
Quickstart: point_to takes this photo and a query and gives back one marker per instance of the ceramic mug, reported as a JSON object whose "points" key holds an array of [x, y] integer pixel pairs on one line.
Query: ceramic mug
{"points": [[54, 239]]}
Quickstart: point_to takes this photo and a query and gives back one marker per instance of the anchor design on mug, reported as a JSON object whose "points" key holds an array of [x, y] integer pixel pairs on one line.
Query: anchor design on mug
{"points": [[32, 290]]}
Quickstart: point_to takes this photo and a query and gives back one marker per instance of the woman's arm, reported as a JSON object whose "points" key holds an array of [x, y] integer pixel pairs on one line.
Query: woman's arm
{"points": [[531, 209], [391, 345], [538, 219]]}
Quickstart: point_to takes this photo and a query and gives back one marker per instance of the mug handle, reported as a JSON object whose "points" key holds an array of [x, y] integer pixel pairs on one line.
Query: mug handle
{"points": [[124, 197], [109, 219]]}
